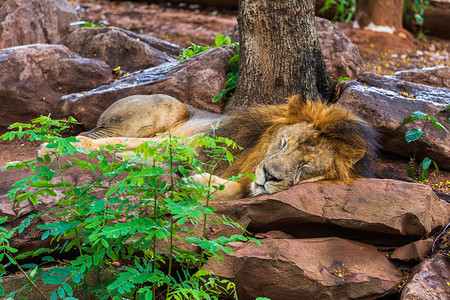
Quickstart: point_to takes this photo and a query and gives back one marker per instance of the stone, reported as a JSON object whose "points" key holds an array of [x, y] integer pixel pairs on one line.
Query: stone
{"points": [[429, 280], [34, 77], [24, 22], [413, 252], [194, 81], [119, 47], [385, 101], [319, 268], [274, 234], [392, 213], [435, 76], [341, 56]]}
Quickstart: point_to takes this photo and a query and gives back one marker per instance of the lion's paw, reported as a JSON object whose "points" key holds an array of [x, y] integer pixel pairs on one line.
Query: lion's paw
{"points": [[85, 142], [43, 150]]}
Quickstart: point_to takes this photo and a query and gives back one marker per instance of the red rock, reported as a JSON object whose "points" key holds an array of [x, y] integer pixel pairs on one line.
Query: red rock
{"points": [[436, 76], [25, 22], [429, 280], [34, 77], [321, 268], [341, 56], [414, 252], [119, 47], [194, 81], [372, 207], [385, 101]]}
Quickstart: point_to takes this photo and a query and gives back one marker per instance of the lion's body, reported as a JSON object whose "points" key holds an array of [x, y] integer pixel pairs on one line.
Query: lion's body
{"points": [[284, 145]]}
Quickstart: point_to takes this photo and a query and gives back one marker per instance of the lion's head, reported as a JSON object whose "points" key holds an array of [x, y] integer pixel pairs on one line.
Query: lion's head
{"points": [[302, 141]]}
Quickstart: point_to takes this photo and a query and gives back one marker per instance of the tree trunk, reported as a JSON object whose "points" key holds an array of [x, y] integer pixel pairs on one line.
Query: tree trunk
{"points": [[380, 15], [280, 54]]}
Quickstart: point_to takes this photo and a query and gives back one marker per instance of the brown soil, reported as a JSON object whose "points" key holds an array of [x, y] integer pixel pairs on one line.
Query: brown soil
{"points": [[382, 53]]}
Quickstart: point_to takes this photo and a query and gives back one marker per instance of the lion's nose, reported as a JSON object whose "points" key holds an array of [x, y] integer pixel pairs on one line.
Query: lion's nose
{"points": [[268, 176]]}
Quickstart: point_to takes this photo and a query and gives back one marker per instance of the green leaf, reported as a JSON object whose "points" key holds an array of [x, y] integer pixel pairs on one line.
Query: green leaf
{"points": [[219, 40], [413, 135], [54, 279], [420, 115], [53, 296], [419, 19], [343, 79], [408, 119], [68, 289], [436, 167], [426, 163], [411, 171], [61, 292]]}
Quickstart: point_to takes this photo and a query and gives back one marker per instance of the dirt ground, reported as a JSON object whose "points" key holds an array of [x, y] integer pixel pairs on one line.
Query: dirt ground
{"points": [[382, 53]]}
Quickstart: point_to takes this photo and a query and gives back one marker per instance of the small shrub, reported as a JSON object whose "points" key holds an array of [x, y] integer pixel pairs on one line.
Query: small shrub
{"points": [[417, 135], [232, 76], [345, 9], [127, 225], [413, 12]]}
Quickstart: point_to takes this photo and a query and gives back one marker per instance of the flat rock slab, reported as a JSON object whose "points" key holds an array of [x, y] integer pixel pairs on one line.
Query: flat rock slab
{"points": [[24, 22], [436, 76], [385, 101], [194, 81], [34, 77], [119, 47], [371, 206], [414, 252], [321, 268]]}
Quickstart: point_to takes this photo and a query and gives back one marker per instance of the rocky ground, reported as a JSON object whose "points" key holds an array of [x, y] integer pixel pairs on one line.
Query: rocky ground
{"points": [[185, 24], [376, 236], [382, 53]]}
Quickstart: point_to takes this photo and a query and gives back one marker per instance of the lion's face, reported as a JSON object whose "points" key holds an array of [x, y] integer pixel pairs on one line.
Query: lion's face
{"points": [[295, 155]]}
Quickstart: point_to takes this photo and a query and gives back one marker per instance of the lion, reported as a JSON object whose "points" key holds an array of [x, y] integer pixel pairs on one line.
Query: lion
{"points": [[283, 145]]}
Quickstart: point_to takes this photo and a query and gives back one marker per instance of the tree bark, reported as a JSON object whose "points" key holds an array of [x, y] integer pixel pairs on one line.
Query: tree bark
{"points": [[280, 54], [380, 15]]}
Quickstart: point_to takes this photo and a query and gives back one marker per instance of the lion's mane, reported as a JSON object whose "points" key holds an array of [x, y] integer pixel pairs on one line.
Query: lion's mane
{"points": [[253, 129]]}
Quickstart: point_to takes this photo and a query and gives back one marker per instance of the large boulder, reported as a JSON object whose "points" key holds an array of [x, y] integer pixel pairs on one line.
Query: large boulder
{"points": [[320, 268], [341, 56], [194, 81], [34, 77], [385, 101], [429, 280], [119, 47], [393, 212], [24, 22]]}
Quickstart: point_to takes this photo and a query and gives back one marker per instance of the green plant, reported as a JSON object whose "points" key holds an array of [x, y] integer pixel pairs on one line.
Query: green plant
{"points": [[232, 76], [417, 135], [345, 9], [128, 226], [85, 24], [413, 12], [194, 49], [344, 79]]}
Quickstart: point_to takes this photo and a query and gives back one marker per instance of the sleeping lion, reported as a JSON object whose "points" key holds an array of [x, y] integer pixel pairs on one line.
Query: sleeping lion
{"points": [[284, 145]]}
